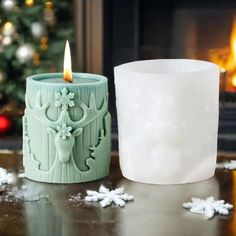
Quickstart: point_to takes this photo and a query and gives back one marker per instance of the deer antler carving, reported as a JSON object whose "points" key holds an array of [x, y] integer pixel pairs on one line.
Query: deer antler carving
{"points": [[89, 113], [64, 129]]}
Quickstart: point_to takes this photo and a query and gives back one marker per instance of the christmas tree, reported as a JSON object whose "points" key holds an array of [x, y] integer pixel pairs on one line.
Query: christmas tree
{"points": [[32, 41]]}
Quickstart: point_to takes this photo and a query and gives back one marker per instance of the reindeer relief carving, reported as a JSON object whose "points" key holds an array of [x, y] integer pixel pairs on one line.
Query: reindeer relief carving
{"points": [[64, 136], [64, 140], [64, 130]]}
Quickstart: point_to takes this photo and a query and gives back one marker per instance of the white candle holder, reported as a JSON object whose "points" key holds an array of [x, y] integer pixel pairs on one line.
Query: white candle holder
{"points": [[167, 120]]}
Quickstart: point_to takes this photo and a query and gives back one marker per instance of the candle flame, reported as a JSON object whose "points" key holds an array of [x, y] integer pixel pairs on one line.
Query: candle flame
{"points": [[67, 75]]}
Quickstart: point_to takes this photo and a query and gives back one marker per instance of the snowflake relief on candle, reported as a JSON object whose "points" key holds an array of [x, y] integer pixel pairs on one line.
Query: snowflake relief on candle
{"points": [[64, 99], [64, 131]]}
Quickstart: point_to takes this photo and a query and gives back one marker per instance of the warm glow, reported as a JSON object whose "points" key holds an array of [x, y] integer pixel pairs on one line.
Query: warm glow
{"points": [[29, 3], [231, 61], [67, 64], [8, 25], [222, 70], [49, 5], [233, 81], [226, 59], [8, 28]]}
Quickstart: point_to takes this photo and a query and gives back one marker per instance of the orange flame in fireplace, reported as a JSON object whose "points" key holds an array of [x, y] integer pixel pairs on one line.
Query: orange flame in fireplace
{"points": [[226, 59], [231, 61], [67, 75]]}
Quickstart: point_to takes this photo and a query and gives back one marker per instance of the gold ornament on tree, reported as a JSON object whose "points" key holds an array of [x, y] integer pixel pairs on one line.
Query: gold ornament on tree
{"points": [[29, 3], [44, 43], [49, 15], [36, 58], [8, 29]]}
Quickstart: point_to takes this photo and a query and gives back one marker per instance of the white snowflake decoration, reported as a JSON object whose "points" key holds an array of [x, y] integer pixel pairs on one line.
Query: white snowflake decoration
{"points": [[208, 207], [64, 99], [5, 177], [107, 197], [229, 165], [64, 131]]}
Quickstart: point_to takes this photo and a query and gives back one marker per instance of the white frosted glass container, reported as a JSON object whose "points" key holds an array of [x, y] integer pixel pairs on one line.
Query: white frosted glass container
{"points": [[167, 120]]}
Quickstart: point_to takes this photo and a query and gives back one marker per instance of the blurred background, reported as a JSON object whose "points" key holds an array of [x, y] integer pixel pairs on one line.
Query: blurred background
{"points": [[106, 33]]}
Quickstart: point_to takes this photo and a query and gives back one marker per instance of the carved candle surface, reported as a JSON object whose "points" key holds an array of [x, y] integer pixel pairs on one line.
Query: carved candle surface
{"points": [[66, 128], [167, 119]]}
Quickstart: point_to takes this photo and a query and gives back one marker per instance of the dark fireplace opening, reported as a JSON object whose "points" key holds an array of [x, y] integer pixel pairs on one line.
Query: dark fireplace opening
{"points": [[197, 29]]}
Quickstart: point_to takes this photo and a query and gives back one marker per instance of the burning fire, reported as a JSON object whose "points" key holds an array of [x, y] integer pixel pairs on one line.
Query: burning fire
{"points": [[67, 75], [226, 59], [231, 61]]}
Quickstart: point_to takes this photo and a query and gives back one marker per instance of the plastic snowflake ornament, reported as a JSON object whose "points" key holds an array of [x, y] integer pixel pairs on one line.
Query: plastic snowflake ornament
{"points": [[64, 99], [107, 197], [64, 131], [208, 207]]}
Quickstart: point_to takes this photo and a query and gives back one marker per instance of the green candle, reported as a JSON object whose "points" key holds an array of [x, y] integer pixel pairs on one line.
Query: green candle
{"points": [[66, 128]]}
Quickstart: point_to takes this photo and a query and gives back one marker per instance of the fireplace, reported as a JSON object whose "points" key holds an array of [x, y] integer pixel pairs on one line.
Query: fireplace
{"points": [[147, 29]]}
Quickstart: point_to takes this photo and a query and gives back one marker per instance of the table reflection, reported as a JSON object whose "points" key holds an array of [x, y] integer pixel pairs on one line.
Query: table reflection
{"points": [[57, 216], [158, 209]]}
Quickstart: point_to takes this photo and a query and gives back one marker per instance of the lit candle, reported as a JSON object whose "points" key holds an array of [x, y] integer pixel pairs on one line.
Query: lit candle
{"points": [[66, 126], [67, 75], [168, 120]]}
